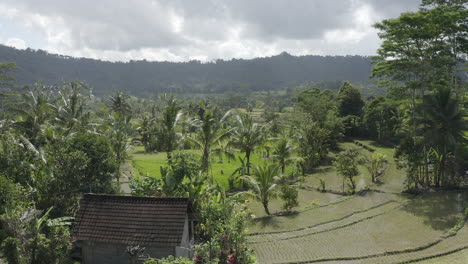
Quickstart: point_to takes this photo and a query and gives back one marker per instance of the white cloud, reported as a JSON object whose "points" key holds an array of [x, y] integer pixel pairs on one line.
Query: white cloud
{"points": [[179, 30], [16, 43]]}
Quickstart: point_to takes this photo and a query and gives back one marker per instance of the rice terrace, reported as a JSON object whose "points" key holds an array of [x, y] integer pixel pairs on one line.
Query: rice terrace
{"points": [[233, 132], [379, 224]]}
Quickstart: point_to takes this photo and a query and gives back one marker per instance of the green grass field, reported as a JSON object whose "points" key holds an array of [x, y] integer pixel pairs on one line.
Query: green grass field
{"points": [[148, 164]]}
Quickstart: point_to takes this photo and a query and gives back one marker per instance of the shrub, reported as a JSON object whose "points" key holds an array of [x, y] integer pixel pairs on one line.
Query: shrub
{"points": [[10, 247], [322, 185], [289, 195], [170, 260]]}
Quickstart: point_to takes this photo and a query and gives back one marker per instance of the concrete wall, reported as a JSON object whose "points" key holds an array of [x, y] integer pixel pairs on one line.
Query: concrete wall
{"points": [[184, 250], [107, 253]]}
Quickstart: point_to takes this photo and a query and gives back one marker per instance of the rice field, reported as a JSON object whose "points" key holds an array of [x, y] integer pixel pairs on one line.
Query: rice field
{"points": [[389, 229], [377, 225]]}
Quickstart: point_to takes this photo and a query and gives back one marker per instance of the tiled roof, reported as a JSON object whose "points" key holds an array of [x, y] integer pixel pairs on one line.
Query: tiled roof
{"points": [[131, 220]]}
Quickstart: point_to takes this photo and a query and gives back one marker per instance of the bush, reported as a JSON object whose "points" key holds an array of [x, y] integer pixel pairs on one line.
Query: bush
{"points": [[170, 260], [289, 195], [322, 185], [10, 248]]}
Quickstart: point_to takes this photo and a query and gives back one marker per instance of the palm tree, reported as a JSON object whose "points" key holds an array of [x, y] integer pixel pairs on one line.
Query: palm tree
{"points": [[247, 136], [263, 185], [119, 131], [119, 103], [34, 110], [282, 151], [70, 109], [210, 133], [145, 129], [170, 117], [443, 124]]}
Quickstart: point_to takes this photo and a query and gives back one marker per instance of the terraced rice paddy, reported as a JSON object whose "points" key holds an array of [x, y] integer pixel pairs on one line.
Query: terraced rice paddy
{"points": [[384, 233], [378, 226]]}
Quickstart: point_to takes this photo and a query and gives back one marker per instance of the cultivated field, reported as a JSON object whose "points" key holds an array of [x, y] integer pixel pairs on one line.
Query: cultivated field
{"points": [[377, 225]]}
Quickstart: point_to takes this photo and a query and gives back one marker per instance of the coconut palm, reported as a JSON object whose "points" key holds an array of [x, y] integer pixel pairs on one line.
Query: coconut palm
{"points": [[263, 184], [170, 117], [34, 110], [282, 152], [119, 129], [210, 133], [119, 103], [247, 136], [70, 110]]}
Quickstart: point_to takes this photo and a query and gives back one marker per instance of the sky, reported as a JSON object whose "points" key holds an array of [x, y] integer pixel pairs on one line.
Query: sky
{"points": [[205, 30]]}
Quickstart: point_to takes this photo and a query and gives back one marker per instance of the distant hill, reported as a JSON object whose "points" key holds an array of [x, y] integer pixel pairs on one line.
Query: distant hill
{"points": [[144, 77]]}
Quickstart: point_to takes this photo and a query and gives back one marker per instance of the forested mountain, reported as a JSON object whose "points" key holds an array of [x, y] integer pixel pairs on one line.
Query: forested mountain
{"points": [[144, 77]]}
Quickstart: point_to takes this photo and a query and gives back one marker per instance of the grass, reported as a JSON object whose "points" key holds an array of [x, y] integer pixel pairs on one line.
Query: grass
{"points": [[148, 164]]}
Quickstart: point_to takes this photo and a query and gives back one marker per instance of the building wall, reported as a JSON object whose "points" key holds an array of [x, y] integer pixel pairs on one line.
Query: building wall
{"points": [[184, 250], [108, 253]]}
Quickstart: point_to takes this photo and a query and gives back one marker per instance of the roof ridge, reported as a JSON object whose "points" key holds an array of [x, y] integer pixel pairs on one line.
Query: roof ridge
{"points": [[131, 197]]}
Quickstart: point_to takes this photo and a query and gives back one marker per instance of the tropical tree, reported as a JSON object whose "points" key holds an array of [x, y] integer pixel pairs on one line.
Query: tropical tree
{"points": [[247, 136], [263, 185], [70, 112], [33, 109], [282, 151], [312, 143], [171, 115], [375, 164], [119, 104], [347, 165], [119, 130], [210, 133], [443, 125]]}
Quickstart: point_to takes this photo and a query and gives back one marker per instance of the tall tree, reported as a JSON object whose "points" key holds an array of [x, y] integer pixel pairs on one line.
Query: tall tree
{"points": [[444, 125], [171, 115], [210, 133], [282, 153], [263, 184], [247, 136]]}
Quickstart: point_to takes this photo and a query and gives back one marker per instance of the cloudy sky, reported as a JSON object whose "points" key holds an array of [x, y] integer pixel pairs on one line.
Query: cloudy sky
{"points": [[181, 30]]}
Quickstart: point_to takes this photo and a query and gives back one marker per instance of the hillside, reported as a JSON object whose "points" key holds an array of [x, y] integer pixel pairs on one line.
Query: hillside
{"points": [[144, 77]]}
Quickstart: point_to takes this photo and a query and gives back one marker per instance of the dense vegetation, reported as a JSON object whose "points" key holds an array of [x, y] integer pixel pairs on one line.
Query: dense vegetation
{"points": [[145, 78], [60, 141]]}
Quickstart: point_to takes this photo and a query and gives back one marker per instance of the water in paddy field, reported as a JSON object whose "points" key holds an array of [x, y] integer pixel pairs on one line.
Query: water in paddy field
{"points": [[441, 210]]}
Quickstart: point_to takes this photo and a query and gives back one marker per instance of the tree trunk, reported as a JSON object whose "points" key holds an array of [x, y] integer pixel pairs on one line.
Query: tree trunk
{"points": [[265, 206]]}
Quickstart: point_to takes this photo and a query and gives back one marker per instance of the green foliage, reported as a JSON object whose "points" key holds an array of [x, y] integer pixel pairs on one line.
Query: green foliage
{"points": [[171, 115], [376, 165], [381, 119], [289, 195], [347, 165], [9, 191], [102, 167], [312, 144], [263, 184], [210, 133], [170, 260], [222, 226], [247, 136], [146, 186], [233, 77], [350, 101], [10, 247], [322, 185], [5, 68], [282, 152]]}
